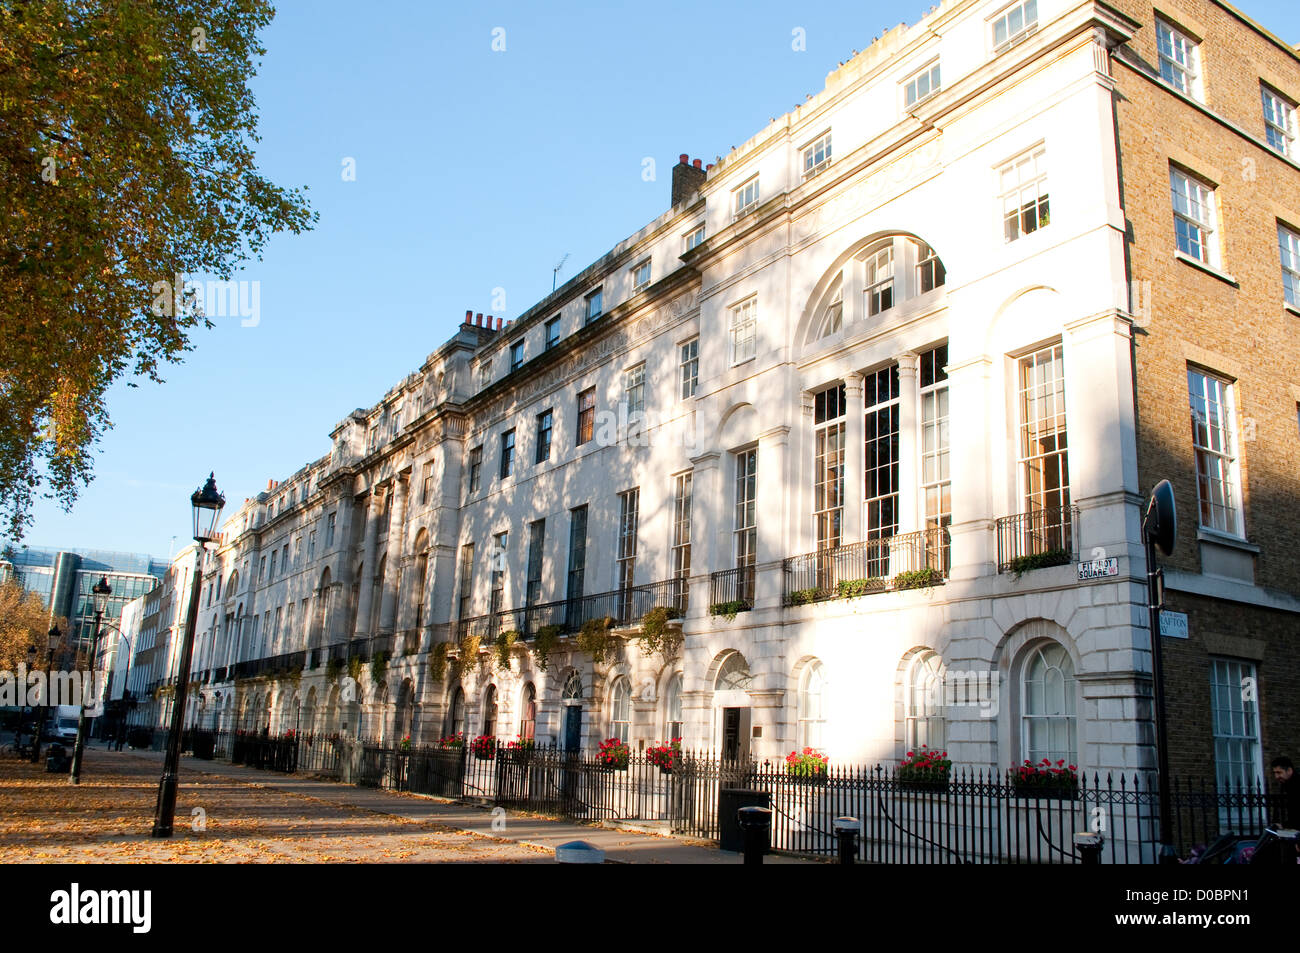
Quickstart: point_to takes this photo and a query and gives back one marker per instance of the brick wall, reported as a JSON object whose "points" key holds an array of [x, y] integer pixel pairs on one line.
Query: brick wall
{"points": [[1241, 331]]}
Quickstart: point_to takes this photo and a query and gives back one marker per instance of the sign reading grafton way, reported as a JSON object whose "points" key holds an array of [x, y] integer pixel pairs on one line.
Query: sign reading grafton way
{"points": [[1099, 568]]}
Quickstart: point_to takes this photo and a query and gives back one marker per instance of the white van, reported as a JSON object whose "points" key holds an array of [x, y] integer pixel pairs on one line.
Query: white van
{"points": [[62, 723]]}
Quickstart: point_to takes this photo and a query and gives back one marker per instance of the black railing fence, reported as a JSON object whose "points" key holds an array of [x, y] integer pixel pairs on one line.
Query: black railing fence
{"points": [[1041, 537], [856, 569], [732, 588], [968, 817]]}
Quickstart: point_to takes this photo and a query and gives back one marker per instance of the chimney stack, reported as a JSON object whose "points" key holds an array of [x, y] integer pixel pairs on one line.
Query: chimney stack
{"points": [[687, 179]]}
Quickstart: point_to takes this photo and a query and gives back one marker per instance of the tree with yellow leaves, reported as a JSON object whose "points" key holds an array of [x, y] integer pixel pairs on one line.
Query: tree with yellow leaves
{"points": [[126, 165], [25, 622]]}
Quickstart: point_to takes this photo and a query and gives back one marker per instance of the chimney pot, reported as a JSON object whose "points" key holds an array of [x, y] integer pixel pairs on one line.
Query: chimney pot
{"points": [[709, 167], [499, 323], [469, 316], [683, 158], [697, 163], [478, 319]]}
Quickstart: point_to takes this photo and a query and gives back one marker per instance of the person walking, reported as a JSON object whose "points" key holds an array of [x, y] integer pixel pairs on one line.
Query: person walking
{"points": [[1284, 774]]}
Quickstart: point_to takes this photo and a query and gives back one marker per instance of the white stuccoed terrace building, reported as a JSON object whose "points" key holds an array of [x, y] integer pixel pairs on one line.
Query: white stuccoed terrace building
{"points": [[889, 331]]}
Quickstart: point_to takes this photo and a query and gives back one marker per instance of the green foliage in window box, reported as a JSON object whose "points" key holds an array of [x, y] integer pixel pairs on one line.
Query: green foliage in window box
{"points": [[657, 636], [377, 666], [849, 588], [544, 643], [334, 669], [802, 597], [354, 668], [918, 579], [1052, 557], [438, 660], [728, 610], [595, 640], [469, 650], [505, 642]]}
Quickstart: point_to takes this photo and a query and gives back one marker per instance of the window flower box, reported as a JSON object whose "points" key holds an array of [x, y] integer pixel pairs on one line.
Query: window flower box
{"points": [[614, 754], [484, 748], [666, 756], [924, 770], [808, 766], [1046, 780]]}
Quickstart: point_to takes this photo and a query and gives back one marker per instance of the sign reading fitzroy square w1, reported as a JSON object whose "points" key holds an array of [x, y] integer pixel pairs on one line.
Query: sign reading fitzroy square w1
{"points": [[1099, 568]]}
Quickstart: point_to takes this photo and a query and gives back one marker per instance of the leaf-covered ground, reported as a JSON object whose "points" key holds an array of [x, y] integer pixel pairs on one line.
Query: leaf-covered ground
{"points": [[109, 816]]}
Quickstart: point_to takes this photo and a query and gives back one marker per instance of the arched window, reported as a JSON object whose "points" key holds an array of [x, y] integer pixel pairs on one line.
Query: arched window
{"points": [[528, 713], [925, 724], [734, 673], [673, 708], [326, 600], [377, 597], [572, 688], [490, 711], [620, 709], [831, 320], [455, 721], [1049, 728], [812, 712]]}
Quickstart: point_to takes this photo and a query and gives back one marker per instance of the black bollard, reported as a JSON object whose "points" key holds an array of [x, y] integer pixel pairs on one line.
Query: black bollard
{"points": [[755, 825], [846, 832], [1089, 845]]}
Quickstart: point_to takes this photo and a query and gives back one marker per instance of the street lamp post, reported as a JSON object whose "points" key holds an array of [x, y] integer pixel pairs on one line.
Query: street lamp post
{"points": [[1159, 530], [53, 642], [100, 593], [207, 503]]}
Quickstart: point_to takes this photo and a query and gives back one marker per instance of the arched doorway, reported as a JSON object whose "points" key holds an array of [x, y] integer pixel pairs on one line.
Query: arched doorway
{"points": [[571, 703], [731, 702]]}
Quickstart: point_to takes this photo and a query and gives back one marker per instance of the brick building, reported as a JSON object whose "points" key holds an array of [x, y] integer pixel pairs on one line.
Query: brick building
{"points": [[1210, 179]]}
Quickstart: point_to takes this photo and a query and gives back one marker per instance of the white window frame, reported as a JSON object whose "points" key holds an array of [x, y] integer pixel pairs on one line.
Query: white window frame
{"points": [[817, 155], [1212, 405], [1006, 17], [745, 197], [552, 341], [745, 532], [634, 389], [924, 720], [639, 281], [688, 362], [1288, 244], [683, 490], [1279, 121], [830, 423], [1068, 716], [1022, 185], [1234, 722], [694, 238], [881, 279], [1041, 416], [926, 77], [597, 298], [744, 330], [516, 355], [1195, 208], [811, 715], [620, 709], [1178, 59]]}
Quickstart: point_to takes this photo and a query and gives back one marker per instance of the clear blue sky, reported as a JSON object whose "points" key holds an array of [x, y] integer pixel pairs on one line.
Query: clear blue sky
{"points": [[475, 169]]}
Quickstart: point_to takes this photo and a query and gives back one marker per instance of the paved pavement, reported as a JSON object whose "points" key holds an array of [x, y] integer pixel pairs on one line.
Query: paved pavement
{"points": [[418, 826]]}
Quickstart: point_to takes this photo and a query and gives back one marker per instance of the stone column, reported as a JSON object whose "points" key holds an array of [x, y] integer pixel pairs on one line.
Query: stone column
{"points": [[772, 515], [368, 558], [710, 550], [974, 549], [854, 451], [908, 451], [396, 531]]}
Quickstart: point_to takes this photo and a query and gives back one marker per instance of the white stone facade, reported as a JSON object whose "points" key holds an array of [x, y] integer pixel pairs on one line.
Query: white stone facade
{"points": [[787, 300]]}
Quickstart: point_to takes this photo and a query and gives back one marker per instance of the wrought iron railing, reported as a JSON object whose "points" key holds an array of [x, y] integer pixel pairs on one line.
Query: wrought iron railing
{"points": [[624, 606], [1042, 537], [905, 561], [732, 588]]}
